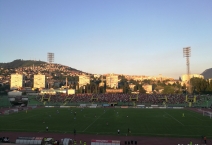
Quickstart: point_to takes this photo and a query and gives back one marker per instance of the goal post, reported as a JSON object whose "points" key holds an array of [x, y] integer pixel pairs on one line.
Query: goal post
{"points": [[207, 113]]}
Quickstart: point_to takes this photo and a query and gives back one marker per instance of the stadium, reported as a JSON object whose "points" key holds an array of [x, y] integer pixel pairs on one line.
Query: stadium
{"points": [[118, 119]]}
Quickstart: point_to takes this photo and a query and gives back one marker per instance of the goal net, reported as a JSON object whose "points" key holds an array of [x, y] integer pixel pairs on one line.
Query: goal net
{"points": [[207, 113]]}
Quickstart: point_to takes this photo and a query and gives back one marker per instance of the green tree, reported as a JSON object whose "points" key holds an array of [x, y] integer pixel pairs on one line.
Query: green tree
{"points": [[154, 86], [168, 90], [142, 90]]}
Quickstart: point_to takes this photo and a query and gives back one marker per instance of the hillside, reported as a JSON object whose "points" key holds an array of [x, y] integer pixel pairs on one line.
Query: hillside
{"points": [[207, 73], [20, 63], [27, 63]]}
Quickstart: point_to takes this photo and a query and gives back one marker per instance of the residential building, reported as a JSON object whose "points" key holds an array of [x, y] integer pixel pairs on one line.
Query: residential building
{"points": [[39, 81], [184, 77], [16, 81], [112, 81], [84, 80], [148, 88], [132, 86]]}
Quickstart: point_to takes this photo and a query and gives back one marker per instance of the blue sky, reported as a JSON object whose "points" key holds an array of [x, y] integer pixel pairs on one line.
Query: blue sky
{"points": [[135, 37]]}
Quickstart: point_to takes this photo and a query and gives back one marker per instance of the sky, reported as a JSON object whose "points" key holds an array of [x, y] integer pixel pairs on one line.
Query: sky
{"points": [[132, 37]]}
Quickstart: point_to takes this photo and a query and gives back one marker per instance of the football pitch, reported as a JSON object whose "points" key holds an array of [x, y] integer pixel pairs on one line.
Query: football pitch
{"points": [[106, 121]]}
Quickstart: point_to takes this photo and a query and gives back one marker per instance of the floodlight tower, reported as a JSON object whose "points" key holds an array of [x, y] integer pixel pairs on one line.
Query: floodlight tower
{"points": [[187, 54], [50, 59]]}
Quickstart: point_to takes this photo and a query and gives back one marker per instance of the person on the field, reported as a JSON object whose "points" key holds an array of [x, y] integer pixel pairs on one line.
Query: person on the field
{"points": [[47, 129], [118, 131], [205, 140], [129, 131]]}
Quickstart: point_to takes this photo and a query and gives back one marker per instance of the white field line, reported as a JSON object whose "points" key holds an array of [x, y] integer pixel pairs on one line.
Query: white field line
{"points": [[175, 119], [93, 122]]}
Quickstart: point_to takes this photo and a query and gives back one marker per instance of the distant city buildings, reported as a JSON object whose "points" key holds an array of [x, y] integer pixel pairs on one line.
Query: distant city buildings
{"points": [[96, 75], [185, 77], [142, 77], [16, 81], [148, 88], [39, 81], [102, 84], [132, 86], [30, 77], [112, 81], [84, 80]]}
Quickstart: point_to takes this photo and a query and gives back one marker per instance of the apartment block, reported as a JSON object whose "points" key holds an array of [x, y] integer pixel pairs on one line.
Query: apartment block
{"points": [[112, 81], [39, 81], [84, 80], [185, 77], [16, 81]]}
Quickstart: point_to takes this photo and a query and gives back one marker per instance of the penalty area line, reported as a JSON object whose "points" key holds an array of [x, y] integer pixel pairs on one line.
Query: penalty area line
{"points": [[92, 123], [175, 119]]}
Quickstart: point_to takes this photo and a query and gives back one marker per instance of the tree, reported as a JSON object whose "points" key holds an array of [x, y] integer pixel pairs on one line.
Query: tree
{"points": [[146, 81], [198, 85], [154, 86], [142, 90], [168, 90]]}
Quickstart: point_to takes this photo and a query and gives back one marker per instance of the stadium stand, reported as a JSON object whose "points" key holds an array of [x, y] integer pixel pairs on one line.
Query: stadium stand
{"points": [[171, 100], [33, 101], [4, 101]]}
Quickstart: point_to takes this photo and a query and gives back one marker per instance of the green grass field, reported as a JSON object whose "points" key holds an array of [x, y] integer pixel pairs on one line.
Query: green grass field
{"points": [[141, 122]]}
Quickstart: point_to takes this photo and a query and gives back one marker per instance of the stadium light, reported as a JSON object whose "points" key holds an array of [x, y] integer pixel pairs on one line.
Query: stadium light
{"points": [[187, 54], [50, 59]]}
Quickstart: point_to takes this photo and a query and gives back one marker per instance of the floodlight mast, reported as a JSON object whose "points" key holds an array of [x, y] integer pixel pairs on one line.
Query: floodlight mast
{"points": [[50, 59], [187, 54]]}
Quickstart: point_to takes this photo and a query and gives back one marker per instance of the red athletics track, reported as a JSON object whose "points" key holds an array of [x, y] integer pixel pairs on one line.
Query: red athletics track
{"points": [[141, 140]]}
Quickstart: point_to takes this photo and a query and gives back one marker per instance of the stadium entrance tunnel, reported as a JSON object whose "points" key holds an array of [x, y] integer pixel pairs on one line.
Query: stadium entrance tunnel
{"points": [[113, 104]]}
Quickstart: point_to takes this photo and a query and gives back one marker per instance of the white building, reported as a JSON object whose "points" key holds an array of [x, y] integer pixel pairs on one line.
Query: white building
{"points": [[148, 88], [132, 86], [184, 77], [16, 81], [84, 80], [39, 81], [112, 81]]}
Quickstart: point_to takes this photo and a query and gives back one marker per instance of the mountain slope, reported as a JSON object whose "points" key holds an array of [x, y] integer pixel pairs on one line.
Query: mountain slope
{"points": [[27, 63], [20, 63], [207, 73]]}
